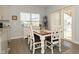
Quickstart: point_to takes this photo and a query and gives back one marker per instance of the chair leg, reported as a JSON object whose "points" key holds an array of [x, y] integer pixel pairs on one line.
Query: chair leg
{"points": [[33, 48], [52, 48], [45, 44], [60, 48], [28, 40], [30, 44]]}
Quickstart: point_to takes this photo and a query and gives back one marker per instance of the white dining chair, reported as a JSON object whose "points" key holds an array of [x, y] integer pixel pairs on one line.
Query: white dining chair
{"points": [[35, 40], [54, 39], [28, 35]]}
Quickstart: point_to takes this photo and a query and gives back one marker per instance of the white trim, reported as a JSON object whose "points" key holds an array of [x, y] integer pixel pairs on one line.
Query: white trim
{"points": [[16, 37], [72, 41]]}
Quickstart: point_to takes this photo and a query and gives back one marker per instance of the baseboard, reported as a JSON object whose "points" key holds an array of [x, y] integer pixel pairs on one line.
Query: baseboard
{"points": [[75, 42], [17, 37]]}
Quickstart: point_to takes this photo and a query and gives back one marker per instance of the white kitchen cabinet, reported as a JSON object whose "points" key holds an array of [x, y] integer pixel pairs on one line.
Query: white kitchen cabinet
{"points": [[4, 13], [4, 18], [3, 41], [0, 41]]}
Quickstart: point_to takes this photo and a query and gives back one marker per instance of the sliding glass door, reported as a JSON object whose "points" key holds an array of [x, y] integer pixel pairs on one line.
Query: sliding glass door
{"points": [[67, 23]]}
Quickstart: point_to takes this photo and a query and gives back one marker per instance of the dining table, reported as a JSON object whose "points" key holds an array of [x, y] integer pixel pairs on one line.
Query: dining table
{"points": [[42, 34]]}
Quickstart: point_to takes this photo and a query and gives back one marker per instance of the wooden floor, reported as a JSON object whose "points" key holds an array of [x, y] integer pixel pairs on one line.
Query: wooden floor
{"points": [[20, 46], [74, 49]]}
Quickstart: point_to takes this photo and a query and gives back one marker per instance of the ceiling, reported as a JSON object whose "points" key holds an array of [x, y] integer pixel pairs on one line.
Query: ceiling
{"points": [[42, 6]]}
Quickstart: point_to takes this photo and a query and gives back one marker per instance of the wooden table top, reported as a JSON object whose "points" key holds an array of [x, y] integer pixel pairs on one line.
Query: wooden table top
{"points": [[42, 32]]}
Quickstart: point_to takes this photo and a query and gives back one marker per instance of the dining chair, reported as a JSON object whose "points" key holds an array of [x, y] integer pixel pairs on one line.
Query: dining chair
{"points": [[53, 40], [35, 42]]}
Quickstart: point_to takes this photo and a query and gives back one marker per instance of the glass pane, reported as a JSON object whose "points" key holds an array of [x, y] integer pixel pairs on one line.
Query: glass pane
{"points": [[67, 26], [25, 17], [35, 17]]}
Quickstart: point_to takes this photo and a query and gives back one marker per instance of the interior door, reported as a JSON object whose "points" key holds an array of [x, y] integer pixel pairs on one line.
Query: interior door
{"points": [[55, 20]]}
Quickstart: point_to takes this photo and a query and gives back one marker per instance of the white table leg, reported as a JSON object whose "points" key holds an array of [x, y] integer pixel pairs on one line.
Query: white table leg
{"points": [[60, 45], [28, 39], [42, 44], [30, 44]]}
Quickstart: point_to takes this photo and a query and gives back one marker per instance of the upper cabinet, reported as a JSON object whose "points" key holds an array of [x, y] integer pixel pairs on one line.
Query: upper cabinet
{"points": [[4, 13]]}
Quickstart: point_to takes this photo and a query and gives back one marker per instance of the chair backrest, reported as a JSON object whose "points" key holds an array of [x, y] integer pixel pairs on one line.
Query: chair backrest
{"points": [[54, 35], [31, 33]]}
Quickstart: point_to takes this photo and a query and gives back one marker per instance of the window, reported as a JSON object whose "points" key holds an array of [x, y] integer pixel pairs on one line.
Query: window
{"points": [[35, 19], [25, 18], [28, 18]]}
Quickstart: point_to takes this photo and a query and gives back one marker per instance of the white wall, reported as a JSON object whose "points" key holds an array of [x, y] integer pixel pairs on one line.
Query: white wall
{"points": [[53, 8], [76, 24], [16, 27]]}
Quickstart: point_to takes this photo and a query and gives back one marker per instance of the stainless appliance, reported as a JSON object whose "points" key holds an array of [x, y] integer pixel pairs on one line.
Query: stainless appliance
{"points": [[1, 25]]}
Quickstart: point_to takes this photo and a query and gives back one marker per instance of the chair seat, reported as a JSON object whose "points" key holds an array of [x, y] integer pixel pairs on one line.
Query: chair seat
{"points": [[49, 39], [37, 38]]}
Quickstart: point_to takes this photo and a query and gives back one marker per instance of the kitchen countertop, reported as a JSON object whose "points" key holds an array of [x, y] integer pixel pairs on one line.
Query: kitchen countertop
{"points": [[1, 29]]}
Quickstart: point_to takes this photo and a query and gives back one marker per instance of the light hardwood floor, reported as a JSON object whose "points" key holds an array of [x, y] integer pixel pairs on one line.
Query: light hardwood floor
{"points": [[20, 46]]}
